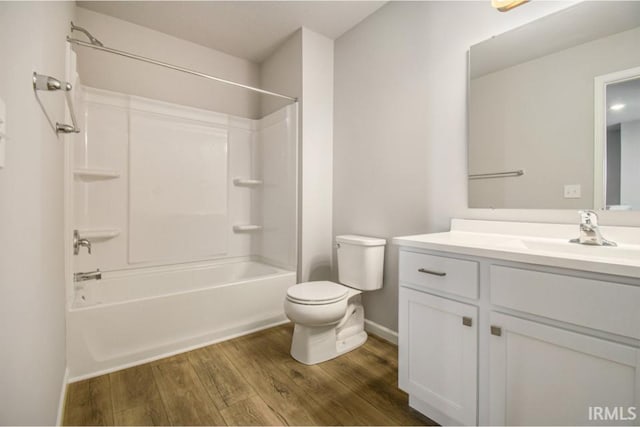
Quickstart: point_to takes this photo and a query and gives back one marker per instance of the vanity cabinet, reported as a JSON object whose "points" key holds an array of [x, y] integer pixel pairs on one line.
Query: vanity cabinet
{"points": [[544, 375], [488, 341], [438, 353]]}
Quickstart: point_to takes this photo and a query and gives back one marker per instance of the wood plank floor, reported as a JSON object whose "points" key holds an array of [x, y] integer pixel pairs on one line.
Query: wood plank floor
{"points": [[251, 380]]}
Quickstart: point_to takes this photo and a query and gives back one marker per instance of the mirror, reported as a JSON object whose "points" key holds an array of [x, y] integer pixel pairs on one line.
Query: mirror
{"points": [[621, 138], [538, 130]]}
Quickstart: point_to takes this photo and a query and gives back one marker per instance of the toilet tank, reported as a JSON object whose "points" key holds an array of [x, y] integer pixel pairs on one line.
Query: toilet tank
{"points": [[360, 261]]}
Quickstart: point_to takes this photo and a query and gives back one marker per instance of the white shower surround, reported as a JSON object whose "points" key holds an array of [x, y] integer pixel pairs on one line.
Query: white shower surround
{"points": [[171, 301], [113, 140]]}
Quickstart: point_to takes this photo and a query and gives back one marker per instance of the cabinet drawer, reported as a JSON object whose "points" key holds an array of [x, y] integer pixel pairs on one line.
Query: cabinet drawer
{"points": [[444, 274], [597, 304]]}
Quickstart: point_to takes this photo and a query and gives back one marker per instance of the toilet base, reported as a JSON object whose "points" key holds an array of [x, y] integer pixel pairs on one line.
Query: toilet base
{"points": [[316, 344], [319, 344]]}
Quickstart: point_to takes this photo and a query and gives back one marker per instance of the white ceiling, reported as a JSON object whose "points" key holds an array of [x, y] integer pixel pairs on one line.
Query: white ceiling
{"points": [[246, 29]]}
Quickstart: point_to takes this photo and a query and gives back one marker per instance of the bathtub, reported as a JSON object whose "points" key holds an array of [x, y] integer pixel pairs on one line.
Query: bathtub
{"points": [[127, 318]]}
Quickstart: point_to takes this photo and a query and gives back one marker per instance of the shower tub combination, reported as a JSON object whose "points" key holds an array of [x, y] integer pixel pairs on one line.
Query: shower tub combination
{"points": [[125, 320], [179, 269], [192, 219]]}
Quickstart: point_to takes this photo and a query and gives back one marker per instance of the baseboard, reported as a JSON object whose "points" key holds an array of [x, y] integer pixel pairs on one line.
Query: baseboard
{"points": [[63, 397], [432, 413], [381, 331]]}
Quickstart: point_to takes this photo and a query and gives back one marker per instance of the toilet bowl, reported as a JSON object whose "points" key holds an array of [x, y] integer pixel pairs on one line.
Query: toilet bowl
{"points": [[329, 317], [316, 303]]}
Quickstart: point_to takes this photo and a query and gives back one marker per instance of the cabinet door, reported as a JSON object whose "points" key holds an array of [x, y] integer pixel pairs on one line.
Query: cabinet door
{"points": [[437, 353], [542, 375]]}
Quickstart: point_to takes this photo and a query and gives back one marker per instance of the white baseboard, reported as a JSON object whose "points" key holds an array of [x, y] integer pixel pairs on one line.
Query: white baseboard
{"points": [[381, 331], [431, 412], [63, 396]]}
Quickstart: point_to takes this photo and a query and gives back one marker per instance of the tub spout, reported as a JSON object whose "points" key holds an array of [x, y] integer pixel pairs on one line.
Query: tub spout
{"points": [[90, 275]]}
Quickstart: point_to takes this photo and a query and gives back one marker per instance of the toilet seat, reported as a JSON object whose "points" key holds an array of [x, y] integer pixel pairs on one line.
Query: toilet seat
{"points": [[317, 293]]}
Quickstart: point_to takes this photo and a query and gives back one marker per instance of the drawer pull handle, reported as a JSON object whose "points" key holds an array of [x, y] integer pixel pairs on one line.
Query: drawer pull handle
{"points": [[496, 330], [467, 321], [435, 273]]}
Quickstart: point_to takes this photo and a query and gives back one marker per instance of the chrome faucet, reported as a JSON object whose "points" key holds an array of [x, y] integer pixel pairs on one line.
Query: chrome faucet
{"points": [[590, 232], [78, 243], [90, 275]]}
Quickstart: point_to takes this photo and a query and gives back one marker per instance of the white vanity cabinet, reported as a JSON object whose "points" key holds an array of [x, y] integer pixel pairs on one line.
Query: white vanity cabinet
{"points": [[543, 375], [438, 337], [491, 341], [438, 353]]}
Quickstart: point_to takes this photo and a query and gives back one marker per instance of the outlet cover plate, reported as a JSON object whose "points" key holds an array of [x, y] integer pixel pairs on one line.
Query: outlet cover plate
{"points": [[572, 191]]}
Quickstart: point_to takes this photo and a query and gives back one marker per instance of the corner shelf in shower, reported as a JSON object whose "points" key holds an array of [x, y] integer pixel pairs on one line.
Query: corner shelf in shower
{"points": [[98, 233], [248, 228], [86, 174], [246, 182]]}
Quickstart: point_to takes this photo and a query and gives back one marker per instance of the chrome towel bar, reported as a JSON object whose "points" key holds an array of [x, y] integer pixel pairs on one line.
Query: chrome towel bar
{"points": [[508, 174]]}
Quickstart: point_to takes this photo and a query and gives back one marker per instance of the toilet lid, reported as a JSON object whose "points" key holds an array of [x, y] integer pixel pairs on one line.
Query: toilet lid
{"points": [[321, 292]]}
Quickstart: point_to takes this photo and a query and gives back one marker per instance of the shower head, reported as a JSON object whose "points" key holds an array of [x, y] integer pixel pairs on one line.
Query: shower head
{"points": [[93, 40]]}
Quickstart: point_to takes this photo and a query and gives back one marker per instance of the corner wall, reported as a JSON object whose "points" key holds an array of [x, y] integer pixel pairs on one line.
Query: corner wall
{"points": [[316, 157], [32, 300], [400, 123], [303, 67]]}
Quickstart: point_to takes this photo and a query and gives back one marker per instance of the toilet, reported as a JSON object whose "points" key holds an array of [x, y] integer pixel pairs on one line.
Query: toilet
{"points": [[329, 317]]}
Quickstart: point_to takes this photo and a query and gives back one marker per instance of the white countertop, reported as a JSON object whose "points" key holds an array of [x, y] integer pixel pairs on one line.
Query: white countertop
{"points": [[536, 243]]}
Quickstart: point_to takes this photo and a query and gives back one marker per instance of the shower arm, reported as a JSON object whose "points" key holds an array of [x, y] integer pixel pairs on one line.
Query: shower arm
{"points": [[94, 41]]}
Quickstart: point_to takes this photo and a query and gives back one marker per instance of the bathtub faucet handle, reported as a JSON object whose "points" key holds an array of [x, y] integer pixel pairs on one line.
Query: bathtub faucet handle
{"points": [[78, 243]]}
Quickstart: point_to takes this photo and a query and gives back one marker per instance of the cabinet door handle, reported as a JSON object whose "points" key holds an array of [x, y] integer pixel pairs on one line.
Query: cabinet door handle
{"points": [[435, 273], [496, 330], [467, 321]]}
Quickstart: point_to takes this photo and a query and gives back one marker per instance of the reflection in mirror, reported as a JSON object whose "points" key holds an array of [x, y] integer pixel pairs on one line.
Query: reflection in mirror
{"points": [[531, 107], [623, 145]]}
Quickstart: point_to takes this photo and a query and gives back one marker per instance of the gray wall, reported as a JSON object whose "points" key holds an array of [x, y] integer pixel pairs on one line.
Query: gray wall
{"points": [[282, 73], [32, 293], [111, 72], [303, 67], [400, 123]]}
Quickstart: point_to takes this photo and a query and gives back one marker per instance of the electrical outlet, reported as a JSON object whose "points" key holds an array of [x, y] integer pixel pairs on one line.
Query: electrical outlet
{"points": [[572, 191]]}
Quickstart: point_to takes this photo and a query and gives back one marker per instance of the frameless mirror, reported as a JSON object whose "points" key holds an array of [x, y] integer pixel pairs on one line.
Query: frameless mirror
{"points": [[538, 136]]}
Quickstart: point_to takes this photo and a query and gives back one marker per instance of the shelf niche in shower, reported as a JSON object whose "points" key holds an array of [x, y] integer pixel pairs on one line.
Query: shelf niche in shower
{"points": [[247, 182], [247, 228], [87, 174]]}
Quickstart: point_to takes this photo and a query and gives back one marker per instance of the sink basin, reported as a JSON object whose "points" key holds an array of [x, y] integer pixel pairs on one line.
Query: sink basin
{"points": [[562, 247]]}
